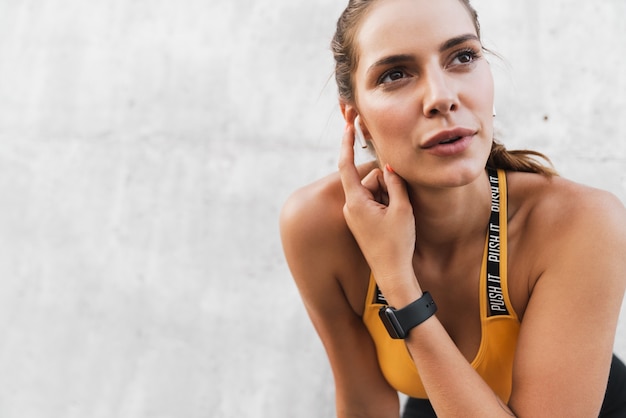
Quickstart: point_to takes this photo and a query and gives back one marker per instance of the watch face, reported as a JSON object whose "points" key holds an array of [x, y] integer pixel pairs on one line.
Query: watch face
{"points": [[391, 323]]}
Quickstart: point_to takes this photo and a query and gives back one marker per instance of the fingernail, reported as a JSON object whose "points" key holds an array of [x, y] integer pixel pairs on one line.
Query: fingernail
{"points": [[388, 167]]}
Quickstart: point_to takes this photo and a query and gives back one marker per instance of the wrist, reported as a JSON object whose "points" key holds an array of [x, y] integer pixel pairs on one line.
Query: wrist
{"points": [[399, 291], [399, 322]]}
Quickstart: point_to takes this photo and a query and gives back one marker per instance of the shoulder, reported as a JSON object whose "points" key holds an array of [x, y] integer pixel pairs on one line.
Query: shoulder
{"points": [[312, 229], [566, 223], [555, 202], [314, 212], [321, 252]]}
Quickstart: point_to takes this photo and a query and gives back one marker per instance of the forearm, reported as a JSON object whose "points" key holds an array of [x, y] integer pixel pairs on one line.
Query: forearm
{"points": [[453, 386], [360, 390], [351, 412]]}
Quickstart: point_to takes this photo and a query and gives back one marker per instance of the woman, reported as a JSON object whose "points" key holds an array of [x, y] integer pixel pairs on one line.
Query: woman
{"points": [[471, 278]]}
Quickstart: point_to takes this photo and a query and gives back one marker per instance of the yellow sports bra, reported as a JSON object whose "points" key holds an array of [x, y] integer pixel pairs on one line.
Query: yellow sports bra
{"points": [[499, 322]]}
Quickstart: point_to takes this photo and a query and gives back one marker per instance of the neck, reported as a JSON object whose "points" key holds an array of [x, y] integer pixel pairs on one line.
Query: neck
{"points": [[449, 218]]}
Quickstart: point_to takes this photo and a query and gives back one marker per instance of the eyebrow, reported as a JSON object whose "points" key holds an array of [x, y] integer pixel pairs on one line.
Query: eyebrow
{"points": [[402, 58], [390, 60], [451, 43]]}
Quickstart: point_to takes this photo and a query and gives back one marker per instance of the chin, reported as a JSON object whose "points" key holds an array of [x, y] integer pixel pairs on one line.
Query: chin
{"points": [[452, 175]]}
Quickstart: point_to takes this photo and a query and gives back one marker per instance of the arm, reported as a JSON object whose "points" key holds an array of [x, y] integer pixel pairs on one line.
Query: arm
{"points": [[567, 334], [321, 256], [565, 344], [568, 329]]}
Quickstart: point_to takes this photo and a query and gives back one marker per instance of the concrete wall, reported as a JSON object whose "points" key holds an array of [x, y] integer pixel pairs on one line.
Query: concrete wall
{"points": [[146, 147]]}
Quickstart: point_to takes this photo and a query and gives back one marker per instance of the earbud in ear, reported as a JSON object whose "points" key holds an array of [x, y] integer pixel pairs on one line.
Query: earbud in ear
{"points": [[358, 132]]}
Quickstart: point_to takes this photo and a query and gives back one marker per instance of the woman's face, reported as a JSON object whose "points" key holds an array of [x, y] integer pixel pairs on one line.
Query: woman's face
{"points": [[424, 90]]}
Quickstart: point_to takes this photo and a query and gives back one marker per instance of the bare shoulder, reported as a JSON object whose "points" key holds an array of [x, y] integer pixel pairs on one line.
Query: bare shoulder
{"points": [[312, 215], [558, 203], [321, 252], [561, 221]]}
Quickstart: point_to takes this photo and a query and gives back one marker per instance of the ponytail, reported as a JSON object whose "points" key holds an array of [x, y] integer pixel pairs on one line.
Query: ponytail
{"points": [[519, 160]]}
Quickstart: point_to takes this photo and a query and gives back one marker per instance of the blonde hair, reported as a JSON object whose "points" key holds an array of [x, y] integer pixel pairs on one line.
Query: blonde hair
{"points": [[345, 53]]}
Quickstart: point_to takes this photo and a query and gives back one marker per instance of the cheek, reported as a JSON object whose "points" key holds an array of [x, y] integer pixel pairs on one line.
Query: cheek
{"points": [[391, 118], [390, 136], [482, 90]]}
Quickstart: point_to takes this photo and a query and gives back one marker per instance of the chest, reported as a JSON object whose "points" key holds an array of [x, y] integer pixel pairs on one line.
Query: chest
{"points": [[460, 285]]}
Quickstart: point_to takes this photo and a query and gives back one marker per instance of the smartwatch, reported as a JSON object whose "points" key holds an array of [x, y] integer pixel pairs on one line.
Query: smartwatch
{"points": [[399, 322]]}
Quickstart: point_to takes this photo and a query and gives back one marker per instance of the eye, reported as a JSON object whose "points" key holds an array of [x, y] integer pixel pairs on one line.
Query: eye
{"points": [[466, 56], [391, 76]]}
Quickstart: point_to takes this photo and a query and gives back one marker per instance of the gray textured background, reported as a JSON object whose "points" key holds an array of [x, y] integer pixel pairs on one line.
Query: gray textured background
{"points": [[146, 147]]}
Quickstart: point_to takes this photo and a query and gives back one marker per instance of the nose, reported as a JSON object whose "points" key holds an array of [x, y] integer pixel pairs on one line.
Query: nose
{"points": [[440, 97]]}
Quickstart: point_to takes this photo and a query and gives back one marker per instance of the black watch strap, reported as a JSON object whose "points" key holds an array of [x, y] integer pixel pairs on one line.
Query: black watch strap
{"points": [[399, 322]]}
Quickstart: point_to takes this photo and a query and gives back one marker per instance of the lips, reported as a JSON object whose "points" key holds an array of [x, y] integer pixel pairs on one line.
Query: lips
{"points": [[448, 136], [451, 140]]}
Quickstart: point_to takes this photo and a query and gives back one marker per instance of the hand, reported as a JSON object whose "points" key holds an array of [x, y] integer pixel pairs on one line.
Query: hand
{"points": [[380, 216]]}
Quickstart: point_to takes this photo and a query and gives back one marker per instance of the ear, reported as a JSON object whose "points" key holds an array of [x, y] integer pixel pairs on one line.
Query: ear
{"points": [[349, 113]]}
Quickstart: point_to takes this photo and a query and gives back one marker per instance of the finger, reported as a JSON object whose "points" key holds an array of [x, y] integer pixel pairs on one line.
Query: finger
{"points": [[374, 182], [396, 187], [350, 178]]}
